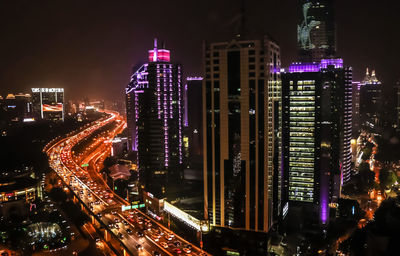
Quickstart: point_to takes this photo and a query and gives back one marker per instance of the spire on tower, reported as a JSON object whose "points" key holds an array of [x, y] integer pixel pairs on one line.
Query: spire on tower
{"points": [[159, 55], [374, 79], [371, 79], [155, 53]]}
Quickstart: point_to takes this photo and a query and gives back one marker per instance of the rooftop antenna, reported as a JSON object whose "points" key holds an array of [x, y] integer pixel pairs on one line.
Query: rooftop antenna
{"points": [[155, 57]]}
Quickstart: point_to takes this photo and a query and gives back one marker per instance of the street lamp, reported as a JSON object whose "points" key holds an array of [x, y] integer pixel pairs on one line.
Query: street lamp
{"points": [[204, 227]]}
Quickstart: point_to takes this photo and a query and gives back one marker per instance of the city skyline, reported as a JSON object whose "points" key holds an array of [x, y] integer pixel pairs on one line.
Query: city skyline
{"points": [[96, 50], [199, 128]]}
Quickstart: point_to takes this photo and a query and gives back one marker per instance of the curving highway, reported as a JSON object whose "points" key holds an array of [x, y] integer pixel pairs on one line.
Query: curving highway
{"points": [[132, 232]]}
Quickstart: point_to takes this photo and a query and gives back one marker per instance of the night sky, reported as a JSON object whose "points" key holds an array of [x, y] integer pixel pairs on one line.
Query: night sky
{"points": [[90, 47]]}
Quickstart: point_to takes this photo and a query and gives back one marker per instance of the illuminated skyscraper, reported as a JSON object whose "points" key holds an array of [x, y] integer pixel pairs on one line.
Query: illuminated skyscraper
{"points": [[398, 105], [356, 109], [155, 120], [241, 125], [193, 118], [316, 30], [317, 111], [371, 101]]}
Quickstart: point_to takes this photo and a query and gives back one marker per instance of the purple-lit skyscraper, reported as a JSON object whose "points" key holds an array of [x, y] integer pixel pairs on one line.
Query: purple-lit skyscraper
{"points": [[155, 120], [317, 118]]}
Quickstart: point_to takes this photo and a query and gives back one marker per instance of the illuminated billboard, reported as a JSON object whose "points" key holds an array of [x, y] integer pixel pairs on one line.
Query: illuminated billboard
{"points": [[52, 108], [183, 216], [48, 103]]}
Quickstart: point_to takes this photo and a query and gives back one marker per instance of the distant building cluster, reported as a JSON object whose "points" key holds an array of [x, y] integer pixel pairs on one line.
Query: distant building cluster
{"points": [[42, 103], [50, 104]]}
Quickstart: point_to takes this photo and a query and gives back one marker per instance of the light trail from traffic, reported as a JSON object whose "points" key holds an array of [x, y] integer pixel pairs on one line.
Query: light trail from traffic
{"points": [[134, 231]]}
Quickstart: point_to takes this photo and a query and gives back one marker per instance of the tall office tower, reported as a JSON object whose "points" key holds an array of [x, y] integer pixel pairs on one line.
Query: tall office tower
{"points": [[131, 117], [398, 105], [48, 103], [356, 109], [193, 118], [155, 120], [240, 124], [316, 100], [370, 100], [316, 30]]}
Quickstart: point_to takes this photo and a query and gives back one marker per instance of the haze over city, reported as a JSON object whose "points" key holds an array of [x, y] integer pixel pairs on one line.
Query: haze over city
{"points": [[93, 45]]}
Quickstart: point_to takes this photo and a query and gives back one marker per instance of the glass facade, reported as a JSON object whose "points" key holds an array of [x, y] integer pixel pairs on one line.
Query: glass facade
{"points": [[316, 30], [242, 131], [317, 116], [302, 140]]}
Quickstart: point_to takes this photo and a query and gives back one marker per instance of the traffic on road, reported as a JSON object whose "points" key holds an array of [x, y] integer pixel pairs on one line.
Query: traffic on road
{"points": [[137, 233]]}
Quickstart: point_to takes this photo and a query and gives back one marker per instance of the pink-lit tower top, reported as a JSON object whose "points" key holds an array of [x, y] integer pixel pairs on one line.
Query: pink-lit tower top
{"points": [[159, 55], [155, 119]]}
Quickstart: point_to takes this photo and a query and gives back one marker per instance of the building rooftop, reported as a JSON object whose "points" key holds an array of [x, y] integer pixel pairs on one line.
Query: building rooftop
{"points": [[370, 79], [119, 171]]}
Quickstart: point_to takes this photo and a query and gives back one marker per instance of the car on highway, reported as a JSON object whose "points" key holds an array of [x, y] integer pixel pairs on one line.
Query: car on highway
{"points": [[158, 231], [139, 247], [129, 231], [120, 235], [177, 250], [186, 250], [140, 234], [155, 253], [96, 237], [164, 244]]}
